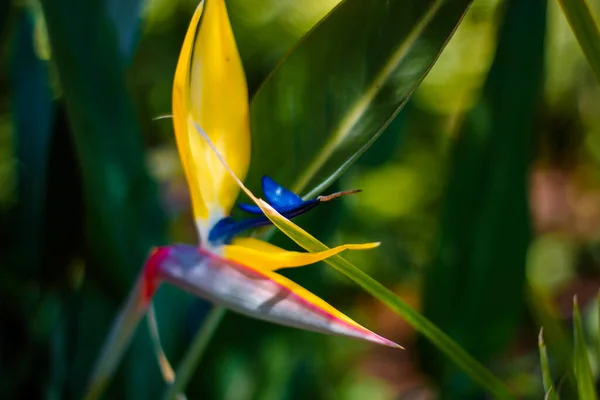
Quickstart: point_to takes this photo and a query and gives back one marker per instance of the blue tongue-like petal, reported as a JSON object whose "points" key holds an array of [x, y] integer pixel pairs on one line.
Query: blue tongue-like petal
{"points": [[280, 198], [286, 202]]}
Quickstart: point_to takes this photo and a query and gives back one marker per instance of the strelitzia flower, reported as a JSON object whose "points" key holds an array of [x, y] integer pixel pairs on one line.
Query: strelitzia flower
{"points": [[210, 98], [212, 130]]}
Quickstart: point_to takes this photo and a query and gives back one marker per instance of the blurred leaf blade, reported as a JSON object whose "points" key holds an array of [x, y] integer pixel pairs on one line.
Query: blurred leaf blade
{"points": [[473, 291], [125, 16], [123, 217], [556, 337], [586, 31], [32, 96], [581, 364], [377, 52], [545, 366], [126, 216]]}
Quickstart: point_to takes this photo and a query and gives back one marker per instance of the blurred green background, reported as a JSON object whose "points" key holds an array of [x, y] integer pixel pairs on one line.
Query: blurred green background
{"points": [[484, 191]]}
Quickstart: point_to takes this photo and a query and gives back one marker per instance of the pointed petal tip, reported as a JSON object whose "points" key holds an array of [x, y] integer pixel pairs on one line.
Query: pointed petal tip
{"points": [[362, 246], [377, 339]]}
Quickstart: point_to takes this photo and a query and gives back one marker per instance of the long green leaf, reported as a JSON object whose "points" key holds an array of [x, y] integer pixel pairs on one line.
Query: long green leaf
{"points": [[333, 95], [546, 374], [556, 337], [581, 364], [123, 216], [473, 290], [263, 44], [24, 247], [125, 16], [586, 31], [421, 324], [33, 115]]}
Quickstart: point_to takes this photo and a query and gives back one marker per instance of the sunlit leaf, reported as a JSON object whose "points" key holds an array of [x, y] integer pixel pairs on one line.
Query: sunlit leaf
{"points": [[546, 373], [584, 27], [556, 336], [333, 95], [421, 324], [581, 364]]}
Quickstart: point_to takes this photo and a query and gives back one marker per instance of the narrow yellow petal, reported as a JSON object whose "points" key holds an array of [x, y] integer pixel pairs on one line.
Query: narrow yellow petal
{"points": [[210, 90], [262, 255]]}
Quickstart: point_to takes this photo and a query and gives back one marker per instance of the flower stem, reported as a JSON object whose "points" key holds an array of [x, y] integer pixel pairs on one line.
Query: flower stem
{"points": [[195, 353], [117, 341]]}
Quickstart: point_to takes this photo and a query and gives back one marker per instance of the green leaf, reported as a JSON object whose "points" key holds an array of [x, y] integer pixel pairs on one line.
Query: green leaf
{"points": [[585, 29], [473, 291], [546, 374], [33, 115], [557, 337], [125, 16], [421, 324], [333, 95], [123, 218], [267, 30], [123, 214], [581, 364], [474, 369]]}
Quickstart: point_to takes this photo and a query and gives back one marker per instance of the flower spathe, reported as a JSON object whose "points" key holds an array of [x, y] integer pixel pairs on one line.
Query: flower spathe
{"points": [[210, 97], [210, 89]]}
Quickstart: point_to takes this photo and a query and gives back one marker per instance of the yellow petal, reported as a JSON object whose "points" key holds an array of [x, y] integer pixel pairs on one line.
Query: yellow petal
{"points": [[262, 255], [210, 90], [255, 292]]}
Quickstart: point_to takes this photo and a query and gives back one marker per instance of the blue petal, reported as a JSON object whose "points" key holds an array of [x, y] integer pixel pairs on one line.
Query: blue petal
{"points": [[250, 208], [301, 207], [278, 196], [227, 228], [286, 202]]}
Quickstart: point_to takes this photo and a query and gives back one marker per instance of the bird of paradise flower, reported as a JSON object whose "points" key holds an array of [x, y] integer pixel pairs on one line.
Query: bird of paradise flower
{"points": [[212, 130]]}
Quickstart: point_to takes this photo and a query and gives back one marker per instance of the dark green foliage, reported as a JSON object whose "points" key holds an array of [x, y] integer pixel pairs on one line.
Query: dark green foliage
{"points": [[474, 289]]}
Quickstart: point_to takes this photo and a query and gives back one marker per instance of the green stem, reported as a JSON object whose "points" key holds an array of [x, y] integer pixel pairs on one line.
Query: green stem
{"points": [[117, 341], [193, 356], [585, 29]]}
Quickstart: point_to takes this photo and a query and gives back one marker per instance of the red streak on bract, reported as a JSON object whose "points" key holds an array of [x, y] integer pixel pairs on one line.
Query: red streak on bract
{"points": [[150, 276]]}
